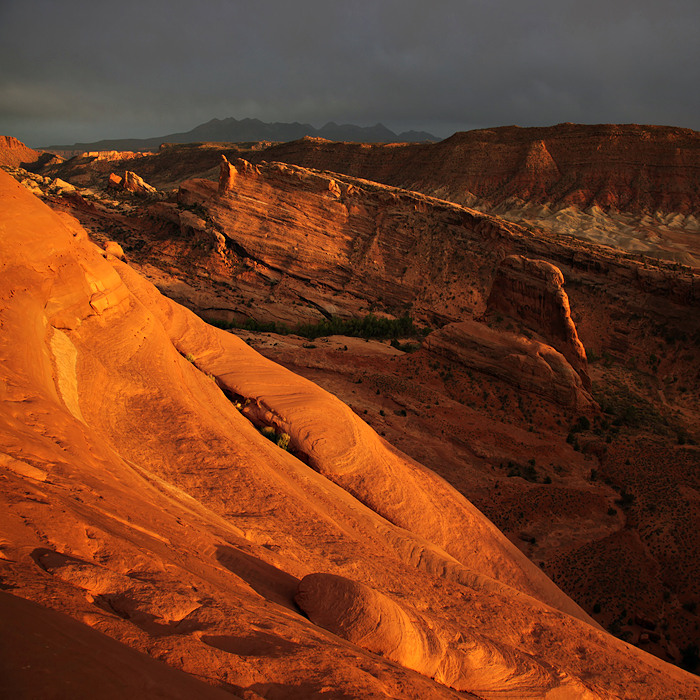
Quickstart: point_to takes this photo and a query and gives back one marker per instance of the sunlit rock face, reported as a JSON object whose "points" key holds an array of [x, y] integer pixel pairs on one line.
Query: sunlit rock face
{"points": [[629, 186], [532, 291], [14, 153], [139, 498], [136, 184], [460, 659], [629, 166]]}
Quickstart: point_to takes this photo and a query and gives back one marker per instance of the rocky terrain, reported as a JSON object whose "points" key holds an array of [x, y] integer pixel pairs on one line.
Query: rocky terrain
{"points": [[633, 187], [552, 382], [14, 153]]}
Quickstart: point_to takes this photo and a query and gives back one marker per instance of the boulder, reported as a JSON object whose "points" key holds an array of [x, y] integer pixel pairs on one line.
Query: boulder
{"points": [[113, 248], [133, 183]]}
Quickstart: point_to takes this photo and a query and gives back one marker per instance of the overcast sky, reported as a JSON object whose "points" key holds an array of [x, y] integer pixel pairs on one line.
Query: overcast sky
{"points": [[83, 70]]}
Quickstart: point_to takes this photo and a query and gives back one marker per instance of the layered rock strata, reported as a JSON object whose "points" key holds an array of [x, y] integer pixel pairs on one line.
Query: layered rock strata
{"points": [[463, 660], [14, 153], [627, 166], [139, 500], [528, 365], [532, 291]]}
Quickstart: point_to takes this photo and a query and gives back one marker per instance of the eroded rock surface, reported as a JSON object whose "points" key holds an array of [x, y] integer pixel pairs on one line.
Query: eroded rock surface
{"points": [[136, 184], [459, 658], [157, 514], [14, 153], [529, 365], [532, 291]]}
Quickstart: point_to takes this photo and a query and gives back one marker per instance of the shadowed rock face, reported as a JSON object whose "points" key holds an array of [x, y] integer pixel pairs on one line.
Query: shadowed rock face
{"points": [[532, 291]]}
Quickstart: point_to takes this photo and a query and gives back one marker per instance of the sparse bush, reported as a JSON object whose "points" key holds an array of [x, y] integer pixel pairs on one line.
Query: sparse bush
{"points": [[690, 658], [527, 472], [626, 499], [369, 326], [280, 439], [270, 433]]}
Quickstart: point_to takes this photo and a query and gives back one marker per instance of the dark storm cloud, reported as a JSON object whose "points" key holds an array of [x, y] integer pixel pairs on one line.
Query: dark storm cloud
{"points": [[83, 70]]}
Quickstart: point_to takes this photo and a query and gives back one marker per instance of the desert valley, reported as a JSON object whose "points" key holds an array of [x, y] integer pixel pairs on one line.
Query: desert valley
{"points": [[329, 419]]}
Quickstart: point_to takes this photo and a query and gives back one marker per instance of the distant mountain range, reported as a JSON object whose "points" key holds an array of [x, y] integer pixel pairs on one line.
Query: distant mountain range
{"points": [[233, 131]]}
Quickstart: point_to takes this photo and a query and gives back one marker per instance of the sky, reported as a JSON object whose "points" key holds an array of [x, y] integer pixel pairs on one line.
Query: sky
{"points": [[84, 70]]}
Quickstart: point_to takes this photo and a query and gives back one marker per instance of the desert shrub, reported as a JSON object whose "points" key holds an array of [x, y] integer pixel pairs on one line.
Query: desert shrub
{"points": [[269, 432], [690, 658], [369, 326], [527, 472], [628, 408], [280, 439], [626, 499]]}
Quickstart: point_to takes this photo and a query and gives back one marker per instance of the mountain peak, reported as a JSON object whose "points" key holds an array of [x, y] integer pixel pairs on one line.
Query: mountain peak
{"points": [[234, 130]]}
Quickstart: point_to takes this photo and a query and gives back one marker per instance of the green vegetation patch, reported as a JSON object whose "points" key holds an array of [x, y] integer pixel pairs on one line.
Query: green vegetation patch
{"points": [[629, 408], [369, 326]]}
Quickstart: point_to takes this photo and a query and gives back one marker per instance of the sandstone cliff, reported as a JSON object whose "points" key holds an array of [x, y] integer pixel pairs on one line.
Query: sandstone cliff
{"points": [[631, 167], [632, 187], [532, 291], [14, 153]]}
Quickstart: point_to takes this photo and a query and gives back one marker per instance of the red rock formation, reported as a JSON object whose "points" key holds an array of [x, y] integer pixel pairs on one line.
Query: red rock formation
{"points": [[14, 153], [227, 173], [337, 235], [461, 659], [530, 366], [532, 291], [136, 184], [630, 167], [139, 500], [628, 308]]}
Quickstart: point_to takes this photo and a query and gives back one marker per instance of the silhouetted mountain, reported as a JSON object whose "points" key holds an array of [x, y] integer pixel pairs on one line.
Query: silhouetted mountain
{"points": [[233, 131]]}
